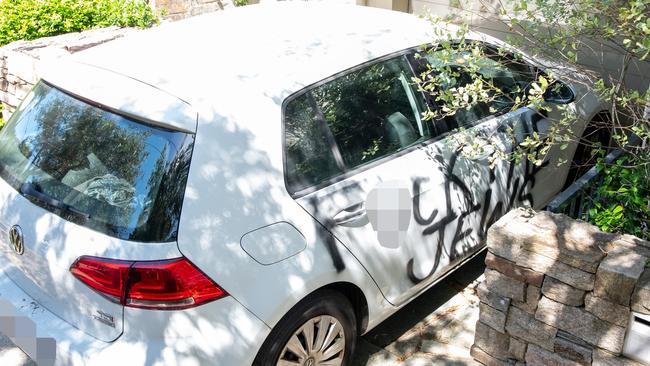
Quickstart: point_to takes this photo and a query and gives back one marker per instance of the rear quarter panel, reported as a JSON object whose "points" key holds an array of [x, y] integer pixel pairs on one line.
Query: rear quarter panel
{"points": [[236, 186]]}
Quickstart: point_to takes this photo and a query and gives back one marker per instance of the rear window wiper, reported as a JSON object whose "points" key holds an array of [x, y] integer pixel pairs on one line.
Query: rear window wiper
{"points": [[31, 190]]}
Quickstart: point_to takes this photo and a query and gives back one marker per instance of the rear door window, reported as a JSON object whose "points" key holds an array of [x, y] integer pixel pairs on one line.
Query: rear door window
{"points": [[503, 76], [353, 120], [96, 168]]}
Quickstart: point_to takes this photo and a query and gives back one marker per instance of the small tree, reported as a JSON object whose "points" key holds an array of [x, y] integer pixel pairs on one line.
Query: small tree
{"points": [[565, 37]]}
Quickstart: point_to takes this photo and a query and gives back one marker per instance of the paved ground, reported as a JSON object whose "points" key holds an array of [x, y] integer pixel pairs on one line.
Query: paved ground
{"points": [[437, 328]]}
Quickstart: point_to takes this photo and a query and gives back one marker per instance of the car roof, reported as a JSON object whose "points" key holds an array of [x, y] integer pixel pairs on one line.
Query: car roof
{"points": [[259, 50]]}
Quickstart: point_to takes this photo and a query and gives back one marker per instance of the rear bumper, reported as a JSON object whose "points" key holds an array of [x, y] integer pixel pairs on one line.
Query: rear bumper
{"points": [[222, 332]]}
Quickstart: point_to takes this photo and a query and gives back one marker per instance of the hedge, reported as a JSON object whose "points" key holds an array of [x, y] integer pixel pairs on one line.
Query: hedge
{"points": [[31, 19]]}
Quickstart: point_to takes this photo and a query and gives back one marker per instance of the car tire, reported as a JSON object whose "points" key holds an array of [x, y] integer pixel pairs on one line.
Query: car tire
{"points": [[583, 160], [328, 309]]}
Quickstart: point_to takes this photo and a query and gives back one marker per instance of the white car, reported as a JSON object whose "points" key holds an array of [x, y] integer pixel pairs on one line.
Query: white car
{"points": [[255, 186]]}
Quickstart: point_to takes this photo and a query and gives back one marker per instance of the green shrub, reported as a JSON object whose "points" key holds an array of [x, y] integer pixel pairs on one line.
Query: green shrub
{"points": [[31, 19], [241, 2], [621, 203]]}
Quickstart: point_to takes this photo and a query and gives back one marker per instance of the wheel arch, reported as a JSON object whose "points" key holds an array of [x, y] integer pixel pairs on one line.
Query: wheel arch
{"points": [[356, 297]]}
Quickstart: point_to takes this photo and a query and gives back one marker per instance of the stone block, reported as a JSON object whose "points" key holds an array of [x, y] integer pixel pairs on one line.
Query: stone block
{"points": [[517, 349], [498, 302], [561, 271], [634, 240], [618, 274], [537, 356], [573, 348], [641, 297], [504, 285], [607, 310], [484, 358], [492, 317], [602, 358], [532, 298], [9, 99], [506, 236], [22, 65], [568, 241], [580, 323], [495, 343], [512, 270], [524, 326], [632, 243], [561, 292]]}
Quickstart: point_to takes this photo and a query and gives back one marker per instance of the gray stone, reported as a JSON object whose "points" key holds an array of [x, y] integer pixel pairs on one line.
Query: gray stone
{"points": [[630, 243], [492, 317], [517, 349], [641, 297], [634, 240], [498, 302], [561, 271], [602, 358], [618, 274], [491, 341], [538, 356], [571, 242], [506, 236], [581, 324], [573, 348], [532, 298], [561, 292], [505, 286], [607, 310], [512, 270], [484, 358], [523, 326]]}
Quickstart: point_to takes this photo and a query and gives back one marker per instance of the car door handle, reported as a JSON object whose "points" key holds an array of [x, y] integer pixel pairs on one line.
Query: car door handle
{"points": [[354, 215]]}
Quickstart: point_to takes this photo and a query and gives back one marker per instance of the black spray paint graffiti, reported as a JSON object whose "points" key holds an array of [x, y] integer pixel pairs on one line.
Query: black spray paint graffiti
{"points": [[518, 192], [438, 226], [519, 189]]}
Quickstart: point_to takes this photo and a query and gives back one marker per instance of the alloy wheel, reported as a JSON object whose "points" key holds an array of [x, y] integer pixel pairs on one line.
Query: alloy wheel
{"points": [[318, 342]]}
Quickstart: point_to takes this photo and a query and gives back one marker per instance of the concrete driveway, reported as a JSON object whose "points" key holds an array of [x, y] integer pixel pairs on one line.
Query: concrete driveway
{"points": [[437, 328]]}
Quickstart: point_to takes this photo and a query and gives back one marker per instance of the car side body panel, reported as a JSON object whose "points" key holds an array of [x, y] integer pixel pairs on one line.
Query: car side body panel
{"points": [[236, 186]]}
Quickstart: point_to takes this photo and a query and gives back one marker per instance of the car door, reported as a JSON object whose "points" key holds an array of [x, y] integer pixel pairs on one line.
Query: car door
{"points": [[497, 124], [524, 182], [360, 159]]}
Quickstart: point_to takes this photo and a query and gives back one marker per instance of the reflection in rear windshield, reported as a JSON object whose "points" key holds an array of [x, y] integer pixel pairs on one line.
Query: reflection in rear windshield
{"points": [[126, 177]]}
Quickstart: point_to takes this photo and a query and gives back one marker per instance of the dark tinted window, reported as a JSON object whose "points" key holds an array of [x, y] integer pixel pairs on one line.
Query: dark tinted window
{"points": [[372, 112], [357, 118], [96, 168], [512, 77], [310, 159]]}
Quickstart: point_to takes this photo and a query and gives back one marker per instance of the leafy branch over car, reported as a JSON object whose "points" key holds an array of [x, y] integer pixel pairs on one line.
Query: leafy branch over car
{"points": [[595, 45]]}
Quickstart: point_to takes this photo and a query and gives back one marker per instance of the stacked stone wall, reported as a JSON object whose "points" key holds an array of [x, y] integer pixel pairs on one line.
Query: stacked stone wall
{"points": [[179, 9], [559, 292], [19, 61]]}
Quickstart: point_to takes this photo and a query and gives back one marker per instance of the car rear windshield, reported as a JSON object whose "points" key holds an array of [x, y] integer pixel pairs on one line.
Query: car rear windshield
{"points": [[96, 168]]}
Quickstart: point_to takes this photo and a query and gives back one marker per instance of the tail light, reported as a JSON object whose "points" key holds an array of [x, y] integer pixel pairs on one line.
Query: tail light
{"points": [[167, 284]]}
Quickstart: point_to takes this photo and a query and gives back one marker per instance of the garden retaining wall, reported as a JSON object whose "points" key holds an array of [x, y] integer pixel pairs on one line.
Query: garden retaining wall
{"points": [[179, 9], [19, 61], [559, 292]]}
